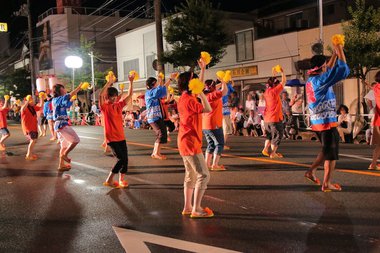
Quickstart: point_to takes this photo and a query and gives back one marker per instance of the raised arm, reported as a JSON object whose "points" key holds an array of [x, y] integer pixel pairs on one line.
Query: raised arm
{"points": [[224, 89], [340, 54], [128, 95], [76, 90], [283, 78], [202, 66], [205, 103], [332, 60], [6, 103]]}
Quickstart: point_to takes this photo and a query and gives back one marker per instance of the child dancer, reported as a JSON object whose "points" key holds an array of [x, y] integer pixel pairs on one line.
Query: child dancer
{"points": [[212, 123], [273, 116], [190, 146], [29, 124], [66, 135], [48, 113], [4, 108], [112, 107], [322, 107]]}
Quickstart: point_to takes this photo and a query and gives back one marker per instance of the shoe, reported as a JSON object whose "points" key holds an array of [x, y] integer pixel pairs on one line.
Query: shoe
{"points": [[265, 153], [207, 213], [113, 185], [186, 212], [123, 184], [217, 168], [313, 179], [64, 168], [337, 188], [31, 158], [227, 148], [374, 168]]}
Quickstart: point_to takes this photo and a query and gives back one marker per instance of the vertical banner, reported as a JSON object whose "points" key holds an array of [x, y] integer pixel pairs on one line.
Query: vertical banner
{"points": [[44, 46]]}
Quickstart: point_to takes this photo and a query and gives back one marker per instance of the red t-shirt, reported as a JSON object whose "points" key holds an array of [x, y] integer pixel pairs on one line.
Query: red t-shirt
{"points": [[376, 91], [3, 118], [190, 130], [165, 109], [273, 106], [29, 119], [214, 119], [113, 121]]}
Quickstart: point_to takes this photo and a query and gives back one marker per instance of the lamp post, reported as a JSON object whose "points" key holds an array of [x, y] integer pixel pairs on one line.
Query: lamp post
{"points": [[73, 62]]}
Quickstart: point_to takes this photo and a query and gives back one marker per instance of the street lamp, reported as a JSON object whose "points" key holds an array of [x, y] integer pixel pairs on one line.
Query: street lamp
{"points": [[73, 62]]}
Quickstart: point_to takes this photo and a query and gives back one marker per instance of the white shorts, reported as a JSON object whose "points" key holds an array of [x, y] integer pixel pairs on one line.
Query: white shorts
{"points": [[227, 124], [67, 136]]}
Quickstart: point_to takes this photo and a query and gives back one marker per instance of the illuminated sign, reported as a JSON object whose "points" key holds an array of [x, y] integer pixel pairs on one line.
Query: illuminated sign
{"points": [[3, 27], [244, 71]]}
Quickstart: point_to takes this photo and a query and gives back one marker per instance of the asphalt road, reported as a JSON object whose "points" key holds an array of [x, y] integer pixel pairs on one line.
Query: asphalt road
{"points": [[260, 205]]}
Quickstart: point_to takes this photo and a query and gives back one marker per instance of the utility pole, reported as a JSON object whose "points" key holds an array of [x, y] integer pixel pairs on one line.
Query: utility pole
{"points": [[92, 75], [160, 45], [31, 51], [320, 7]]}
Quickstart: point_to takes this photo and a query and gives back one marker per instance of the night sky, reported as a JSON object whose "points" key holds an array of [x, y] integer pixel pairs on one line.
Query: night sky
{"points": [[17, 25]]}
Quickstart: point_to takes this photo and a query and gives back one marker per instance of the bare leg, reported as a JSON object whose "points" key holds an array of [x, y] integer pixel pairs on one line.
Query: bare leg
{"points": [[70, 148], [44, 128], [329, 169], [198, 196], [375, 156], [2, 140], [318, 162], [52, 133], [208, 158], [188, 195], [109, 179], [30, 148], [274, 148], [215, 162], [266, 146]]}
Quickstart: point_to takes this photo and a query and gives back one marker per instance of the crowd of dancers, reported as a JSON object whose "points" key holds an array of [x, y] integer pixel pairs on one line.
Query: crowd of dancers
{"points": [[201, 113]]}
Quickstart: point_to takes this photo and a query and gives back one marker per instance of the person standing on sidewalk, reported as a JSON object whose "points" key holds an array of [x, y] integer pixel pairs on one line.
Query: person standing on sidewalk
{"points": [[273, 116], [322, 107]]}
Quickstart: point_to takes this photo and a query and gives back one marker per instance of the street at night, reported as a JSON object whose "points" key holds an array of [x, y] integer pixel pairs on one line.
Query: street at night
{"points": [[260, 204]]}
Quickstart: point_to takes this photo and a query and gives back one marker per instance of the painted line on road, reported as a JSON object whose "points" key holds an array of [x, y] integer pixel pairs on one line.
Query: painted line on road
{"points": [[267, 160], [87, 137]]}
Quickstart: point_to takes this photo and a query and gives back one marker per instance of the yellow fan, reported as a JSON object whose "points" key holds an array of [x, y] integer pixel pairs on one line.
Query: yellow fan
{"points": [[85, 86], [161, 75], [206, 57], [18, 101], [121, 86], [28, 98], [196, 86], [276, 69], [42, 95], [73, 97], [6, 97], [338, 39], [171, 90], [136, 75], [110, 75], [227, 77], [220, 74]]}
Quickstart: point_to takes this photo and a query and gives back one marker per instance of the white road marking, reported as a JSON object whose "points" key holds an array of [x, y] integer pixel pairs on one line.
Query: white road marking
{"points": [[134, 241], [88, 137], [357, 157]]}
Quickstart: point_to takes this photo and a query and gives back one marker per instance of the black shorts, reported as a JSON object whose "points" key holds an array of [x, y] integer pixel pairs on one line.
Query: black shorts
{"points": [[42, 121], [330, 143], [170, 125], [274, 132], [159, 128]]}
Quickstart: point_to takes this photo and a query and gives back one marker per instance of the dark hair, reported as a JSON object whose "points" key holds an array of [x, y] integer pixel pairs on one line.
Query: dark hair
{"points": [[57, 89], [345, 108], [377, 77], [150, 82], [272, 81], [317, 61], [112, 91], [209, 85], [184, 79]]}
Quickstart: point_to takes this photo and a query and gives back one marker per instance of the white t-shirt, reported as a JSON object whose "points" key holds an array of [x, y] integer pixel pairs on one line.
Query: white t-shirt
{"points": [[94, 109], [250, 105], [77, 109]]}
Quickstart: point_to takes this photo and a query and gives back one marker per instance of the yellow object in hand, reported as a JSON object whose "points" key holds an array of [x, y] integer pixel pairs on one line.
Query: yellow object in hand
{"points": [[111, 76], [171, 90], [220, 74], [196, 86], [42, 95], [227, 77], [6, 97], [135, 73], [338, 39], [18, 101], [74, 97], [85, 86], [121, 86], [206, 57], [161, 75], [276, 69], [28, 98]]}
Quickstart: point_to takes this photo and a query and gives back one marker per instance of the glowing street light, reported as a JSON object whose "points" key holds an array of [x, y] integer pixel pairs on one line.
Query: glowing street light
{"points": [[73, 62]]}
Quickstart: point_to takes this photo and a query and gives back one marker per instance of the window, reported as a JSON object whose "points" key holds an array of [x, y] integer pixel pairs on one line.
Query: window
{"points": [[329, 9], [338, 90], [293, 19], [244, 45], [130, 65]]}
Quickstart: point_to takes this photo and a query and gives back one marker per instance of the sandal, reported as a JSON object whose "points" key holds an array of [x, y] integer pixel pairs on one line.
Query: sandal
{"points": [[312, 178], [30, 158], [337, 188], [207, 213], [113, 185], [276, 155], [159, 157], [217, 168], [265, 153], [374, 168], [184, 212], [123, 184], [64, 168]]}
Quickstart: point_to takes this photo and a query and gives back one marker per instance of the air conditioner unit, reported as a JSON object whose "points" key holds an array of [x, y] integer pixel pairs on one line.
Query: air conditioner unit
{"points": [[302, 23]]}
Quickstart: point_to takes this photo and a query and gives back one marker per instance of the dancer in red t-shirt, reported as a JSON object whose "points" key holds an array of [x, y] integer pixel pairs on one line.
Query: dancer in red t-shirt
{"points": [[4, 109], [112, 107]]}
